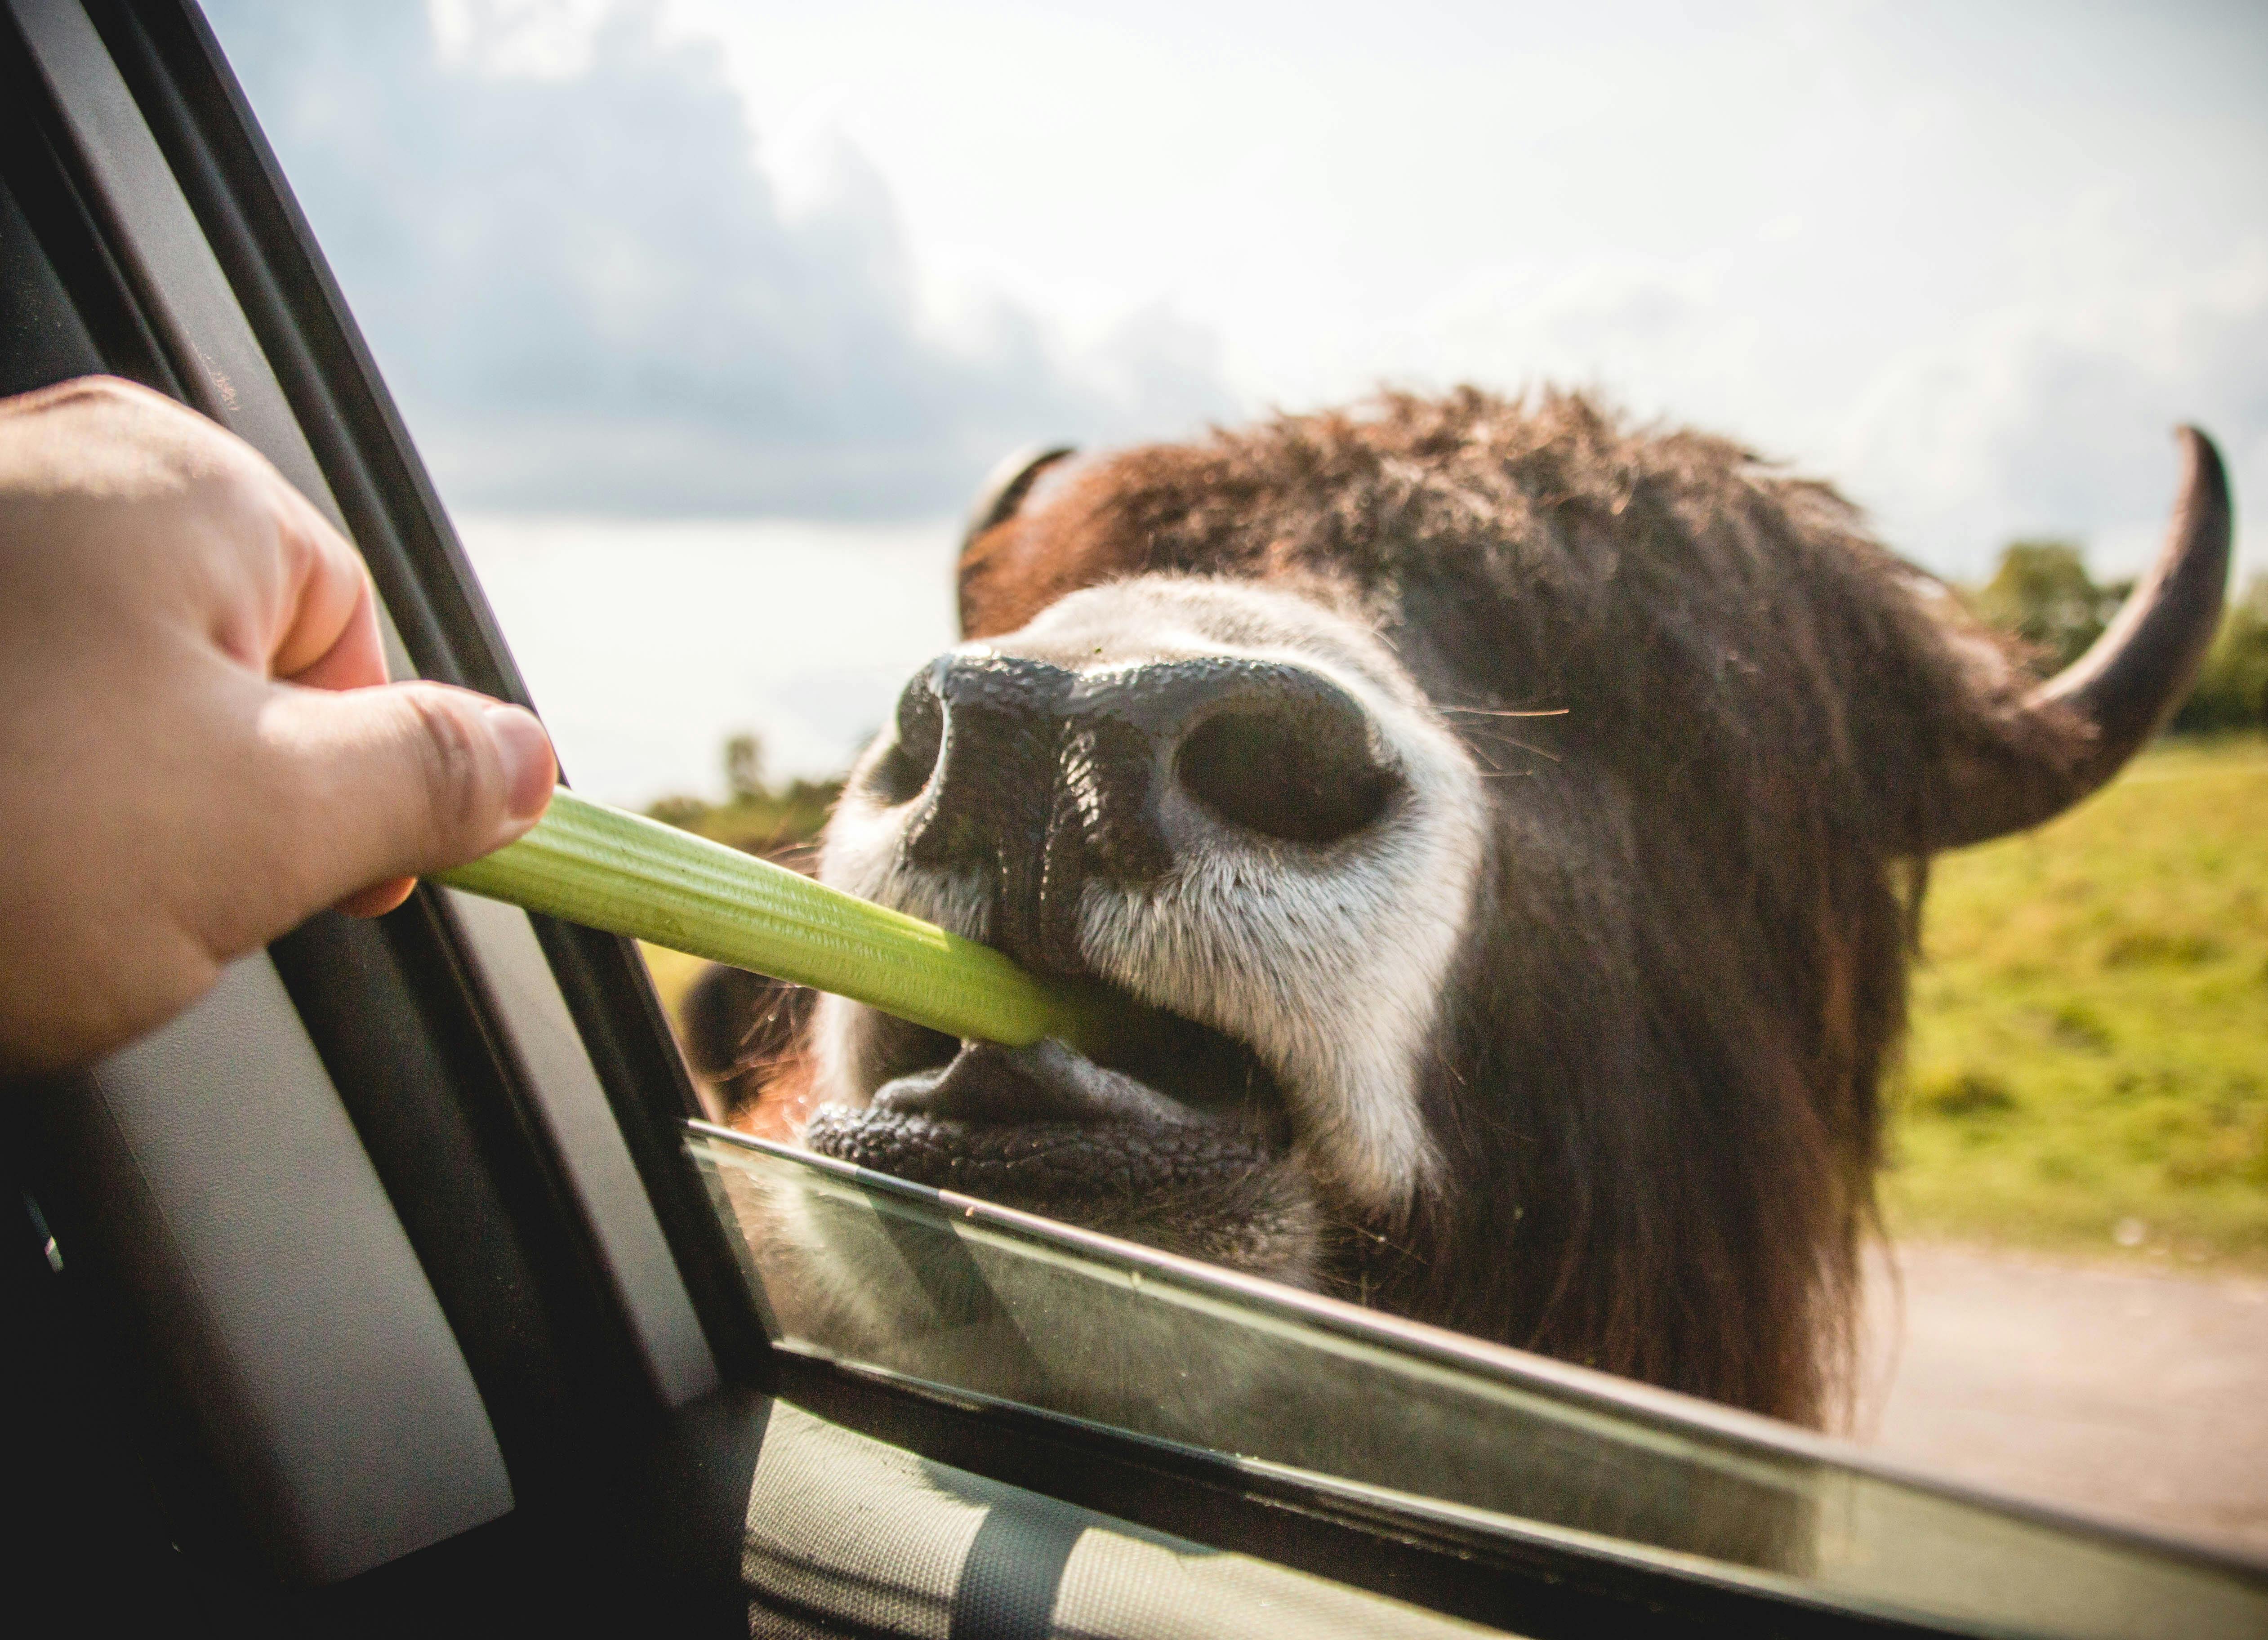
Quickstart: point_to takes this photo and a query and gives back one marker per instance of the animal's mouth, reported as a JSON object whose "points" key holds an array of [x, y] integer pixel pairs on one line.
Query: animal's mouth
{"points": [[1173, 1108]]}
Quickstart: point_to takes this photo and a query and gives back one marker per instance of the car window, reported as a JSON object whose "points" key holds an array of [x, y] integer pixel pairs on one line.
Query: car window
{"points": [[945, 1290], [706, 443]]}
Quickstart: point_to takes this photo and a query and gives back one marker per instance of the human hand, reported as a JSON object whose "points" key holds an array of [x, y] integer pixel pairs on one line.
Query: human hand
{"points": [[198, 746]]}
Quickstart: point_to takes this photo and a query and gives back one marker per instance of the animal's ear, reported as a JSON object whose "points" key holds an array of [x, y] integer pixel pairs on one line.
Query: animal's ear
{"points": [[2013, 770], [1003, 493], [1006, 485]]}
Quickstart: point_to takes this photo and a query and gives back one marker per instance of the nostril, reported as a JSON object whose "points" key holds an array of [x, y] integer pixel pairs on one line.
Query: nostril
{"points": [[905, 769], [1299, 771]]}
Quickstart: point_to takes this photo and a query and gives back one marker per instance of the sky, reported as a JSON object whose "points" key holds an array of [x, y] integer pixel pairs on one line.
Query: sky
{"points": [[651, 279]]}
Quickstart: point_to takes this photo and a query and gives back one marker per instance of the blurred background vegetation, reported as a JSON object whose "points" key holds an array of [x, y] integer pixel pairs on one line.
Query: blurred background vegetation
{"points": [[780, 825], [2043, 593], [2089, 1066]]}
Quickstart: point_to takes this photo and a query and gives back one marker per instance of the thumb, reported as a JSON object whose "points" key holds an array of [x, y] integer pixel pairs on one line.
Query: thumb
{"points": [[399, 780]]}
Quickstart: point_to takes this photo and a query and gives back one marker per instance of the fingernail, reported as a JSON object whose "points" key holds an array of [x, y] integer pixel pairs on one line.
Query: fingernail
{"points": [[529, 770]]}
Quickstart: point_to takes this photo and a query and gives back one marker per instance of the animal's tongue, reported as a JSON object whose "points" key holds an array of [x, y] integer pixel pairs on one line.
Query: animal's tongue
{"points": [[1046, 1082]]}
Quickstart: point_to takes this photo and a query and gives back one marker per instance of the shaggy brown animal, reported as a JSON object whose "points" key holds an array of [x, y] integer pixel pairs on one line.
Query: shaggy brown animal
{"points": [[1716, 729]]}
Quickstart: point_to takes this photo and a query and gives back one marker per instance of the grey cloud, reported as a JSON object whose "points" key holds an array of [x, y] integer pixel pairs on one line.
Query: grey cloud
{"points": [[588, 297]]}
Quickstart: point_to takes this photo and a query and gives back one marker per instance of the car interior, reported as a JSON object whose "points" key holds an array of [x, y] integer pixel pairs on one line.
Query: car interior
{"points": [[403, 1282]]}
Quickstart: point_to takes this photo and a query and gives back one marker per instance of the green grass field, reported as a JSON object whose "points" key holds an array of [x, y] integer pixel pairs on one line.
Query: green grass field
{"points": [[2088, 1069]]}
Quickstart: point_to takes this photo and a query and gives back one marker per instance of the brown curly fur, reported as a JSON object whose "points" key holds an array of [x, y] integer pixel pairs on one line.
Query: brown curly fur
{"points": [[1657, 1083], [1716, 717]]}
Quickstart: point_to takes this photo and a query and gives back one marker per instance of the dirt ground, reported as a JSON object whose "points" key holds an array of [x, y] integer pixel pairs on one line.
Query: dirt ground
{"points": [[2139, 1397]]}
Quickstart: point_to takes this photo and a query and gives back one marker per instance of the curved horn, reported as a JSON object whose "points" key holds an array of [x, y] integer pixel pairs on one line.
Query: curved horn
{"points": [[1007, 484], [2077, 730]]}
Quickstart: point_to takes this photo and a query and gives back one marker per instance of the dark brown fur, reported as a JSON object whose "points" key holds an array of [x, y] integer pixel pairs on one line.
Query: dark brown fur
{"points": [[1656, 1081]]}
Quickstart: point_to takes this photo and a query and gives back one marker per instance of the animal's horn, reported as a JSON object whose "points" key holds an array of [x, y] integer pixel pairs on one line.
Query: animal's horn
{"points": [[1007, 484], [2077, 730]]}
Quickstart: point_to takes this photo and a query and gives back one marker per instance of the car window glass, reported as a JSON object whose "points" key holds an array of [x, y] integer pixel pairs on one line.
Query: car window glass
{"points": [[942, 1290]]}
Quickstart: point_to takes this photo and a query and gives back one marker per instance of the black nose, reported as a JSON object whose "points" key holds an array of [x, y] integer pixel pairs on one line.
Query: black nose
{"points": [[1284, 753], [1039, 778]]}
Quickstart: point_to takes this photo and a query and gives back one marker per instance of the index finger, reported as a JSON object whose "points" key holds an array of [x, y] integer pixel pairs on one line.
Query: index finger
{"points": [[328, 637], [356, 659]]}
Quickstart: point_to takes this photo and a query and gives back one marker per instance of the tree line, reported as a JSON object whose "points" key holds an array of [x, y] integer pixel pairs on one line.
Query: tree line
{"points": [[777, 822], [2042, 594]]}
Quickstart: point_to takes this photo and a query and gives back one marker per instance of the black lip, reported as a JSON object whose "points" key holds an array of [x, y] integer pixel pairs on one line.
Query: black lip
{"points": [[1050, 1164], [1182, 1138]]}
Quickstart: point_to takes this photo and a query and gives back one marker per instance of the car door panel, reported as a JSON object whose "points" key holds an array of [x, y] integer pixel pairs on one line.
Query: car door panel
{"points": [[302, 1338]]}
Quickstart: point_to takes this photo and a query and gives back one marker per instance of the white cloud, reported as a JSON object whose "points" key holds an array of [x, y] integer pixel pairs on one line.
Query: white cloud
{"points": [[538, 39], [1657, 335], [587, 294]]}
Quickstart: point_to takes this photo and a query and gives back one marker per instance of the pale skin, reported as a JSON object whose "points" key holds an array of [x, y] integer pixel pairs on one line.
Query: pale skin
{"points": [[199, 748]]}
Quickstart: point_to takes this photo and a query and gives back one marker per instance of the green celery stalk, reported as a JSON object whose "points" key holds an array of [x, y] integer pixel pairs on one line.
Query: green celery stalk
{"points": [[589, 863]]}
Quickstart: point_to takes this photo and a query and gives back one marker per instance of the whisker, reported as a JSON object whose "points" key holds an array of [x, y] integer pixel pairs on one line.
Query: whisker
{"points": [[1523, 745]]}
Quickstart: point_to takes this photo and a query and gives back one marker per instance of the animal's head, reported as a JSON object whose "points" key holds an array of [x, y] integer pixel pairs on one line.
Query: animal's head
{"points": [[1517, 820]]}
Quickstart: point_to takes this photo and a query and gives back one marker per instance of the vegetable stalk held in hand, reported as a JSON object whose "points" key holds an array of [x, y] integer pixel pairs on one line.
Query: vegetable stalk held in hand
{"points": [[606, 869]]}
